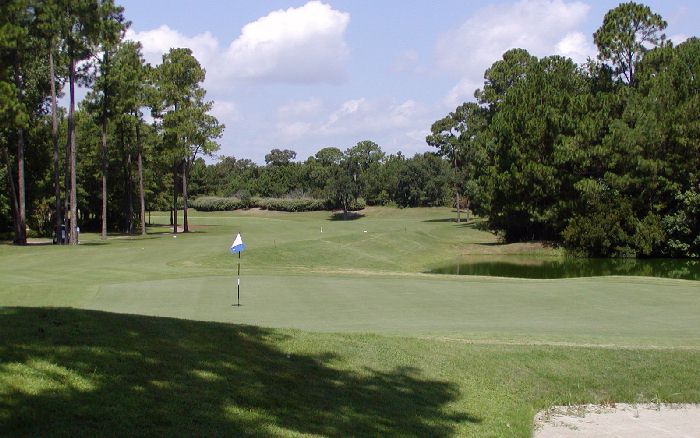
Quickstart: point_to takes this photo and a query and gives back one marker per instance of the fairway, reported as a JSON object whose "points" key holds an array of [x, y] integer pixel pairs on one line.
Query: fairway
{"points": [[307, 272], [345, 303]]}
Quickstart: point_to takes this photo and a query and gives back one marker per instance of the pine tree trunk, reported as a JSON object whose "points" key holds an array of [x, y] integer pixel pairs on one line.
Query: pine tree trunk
{"points": [[73, 186], [129, 194], [174, 210], [454, 153], [13, 193], [457, 199], [54, 136], [139, 159], [185, 225], [66, 184], [105, 168], [21, 216]]}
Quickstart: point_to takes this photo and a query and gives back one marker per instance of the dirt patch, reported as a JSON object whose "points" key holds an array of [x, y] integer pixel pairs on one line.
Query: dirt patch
{"points": [[619, 420]]}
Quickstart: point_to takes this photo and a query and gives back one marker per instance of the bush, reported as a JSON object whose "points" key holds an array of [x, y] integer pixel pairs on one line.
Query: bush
{"points": [[214, 203], [291, 204]]}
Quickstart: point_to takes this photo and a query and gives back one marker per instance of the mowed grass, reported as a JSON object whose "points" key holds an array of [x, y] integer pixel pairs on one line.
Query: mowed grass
{"points": [[339, 333]]}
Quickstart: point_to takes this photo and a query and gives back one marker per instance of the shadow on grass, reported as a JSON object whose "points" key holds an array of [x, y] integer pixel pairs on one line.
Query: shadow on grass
{"points": [[477, 224], [349, 216], [451, 219], [67, 372]]}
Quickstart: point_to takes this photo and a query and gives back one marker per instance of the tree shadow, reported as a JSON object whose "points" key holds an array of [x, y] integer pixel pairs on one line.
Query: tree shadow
{"points": [[449, 219], [477, 224], [77, 372], [349, 216]]}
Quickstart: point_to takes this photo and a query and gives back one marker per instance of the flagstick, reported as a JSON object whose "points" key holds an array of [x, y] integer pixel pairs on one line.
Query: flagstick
{"points": [[239, 279]]}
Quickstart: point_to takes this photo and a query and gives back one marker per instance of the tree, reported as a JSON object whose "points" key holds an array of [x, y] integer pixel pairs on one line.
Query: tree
{"points": [[503, 75], [86, 23], [17, 19], [278, 157], [423, 181], [627, 33], [342, 188], [362, 160], [329, 156], [188, 128], [111, 27], [445, 137], [49, 18]]}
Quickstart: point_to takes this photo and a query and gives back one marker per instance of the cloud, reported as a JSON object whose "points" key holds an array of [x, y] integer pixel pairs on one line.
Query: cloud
{"points": [[158, 41], [226, 111], [270, 49], [350, 121], [540, 26], [678, 38], [299, 108], [576, 46], [273, 47]]}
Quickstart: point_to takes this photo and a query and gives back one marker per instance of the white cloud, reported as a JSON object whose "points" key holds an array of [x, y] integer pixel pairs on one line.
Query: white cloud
{"points": [[576, 46], [158, 41], [464, 90], [299, 108], [289, 131], [351, 121], [297, 45], [226, 111], [303, 44], [536, 25], [351, 109], [678, 39]]}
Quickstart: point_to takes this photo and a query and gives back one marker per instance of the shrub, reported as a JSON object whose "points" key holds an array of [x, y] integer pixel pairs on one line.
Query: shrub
{"points": [[291, 204], [214, 203]]}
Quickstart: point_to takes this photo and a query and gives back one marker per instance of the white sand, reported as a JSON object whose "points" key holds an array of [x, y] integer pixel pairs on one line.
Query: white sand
{"points": [[619, 421]]}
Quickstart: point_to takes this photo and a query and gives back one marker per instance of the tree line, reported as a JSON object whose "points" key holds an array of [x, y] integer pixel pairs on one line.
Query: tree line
{"points": [[602, 157], [87, 165], [361, 173]]}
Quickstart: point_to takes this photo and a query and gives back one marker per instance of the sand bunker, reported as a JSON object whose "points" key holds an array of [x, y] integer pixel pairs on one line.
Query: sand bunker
{"points": [[619, 421]]}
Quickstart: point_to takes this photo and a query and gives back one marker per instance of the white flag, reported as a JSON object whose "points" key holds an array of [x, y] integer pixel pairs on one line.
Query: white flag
{"points": [[237, 245]]}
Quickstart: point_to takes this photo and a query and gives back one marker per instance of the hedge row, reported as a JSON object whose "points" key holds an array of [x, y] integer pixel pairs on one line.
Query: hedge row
{"points": [[214, 203]]}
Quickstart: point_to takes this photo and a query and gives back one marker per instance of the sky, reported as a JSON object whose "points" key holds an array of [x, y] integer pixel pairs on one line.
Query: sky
{"points": [[304, 75]]}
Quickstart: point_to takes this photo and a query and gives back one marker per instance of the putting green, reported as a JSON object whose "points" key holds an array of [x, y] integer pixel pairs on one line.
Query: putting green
{"points": [[307, 272]]}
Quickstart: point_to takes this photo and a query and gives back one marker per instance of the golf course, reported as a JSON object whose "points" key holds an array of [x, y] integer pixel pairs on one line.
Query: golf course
{"points": [[340, 332]]}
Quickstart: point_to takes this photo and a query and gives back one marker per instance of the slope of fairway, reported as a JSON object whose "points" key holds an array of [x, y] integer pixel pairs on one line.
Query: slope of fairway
{"points": [[308, 272], [339, 333], [66, 372]]}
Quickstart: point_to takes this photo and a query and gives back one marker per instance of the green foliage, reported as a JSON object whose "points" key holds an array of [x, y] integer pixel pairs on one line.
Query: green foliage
{"points": [[565, 153], [626, 35], [278, 157], [682, 227], [613, 232], [215, 203], [423, 182], [290, 204]]}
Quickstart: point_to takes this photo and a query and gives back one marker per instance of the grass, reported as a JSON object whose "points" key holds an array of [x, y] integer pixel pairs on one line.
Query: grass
{"points": [[339, 333]]}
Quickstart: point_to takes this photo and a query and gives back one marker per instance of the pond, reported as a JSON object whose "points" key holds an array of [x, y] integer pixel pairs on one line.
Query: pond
{"points": [[554, 267]]}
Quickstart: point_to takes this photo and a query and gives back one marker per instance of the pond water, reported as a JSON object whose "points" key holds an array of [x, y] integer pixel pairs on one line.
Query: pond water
{"points": [[553, 267]]}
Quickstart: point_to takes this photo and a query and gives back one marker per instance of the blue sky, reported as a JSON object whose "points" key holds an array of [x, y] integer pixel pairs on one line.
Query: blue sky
{"points": [[304, 75]]}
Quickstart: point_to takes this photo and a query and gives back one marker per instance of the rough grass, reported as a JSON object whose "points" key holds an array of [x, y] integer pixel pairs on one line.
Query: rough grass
{"points": [[67, 372], [342, 333]]}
